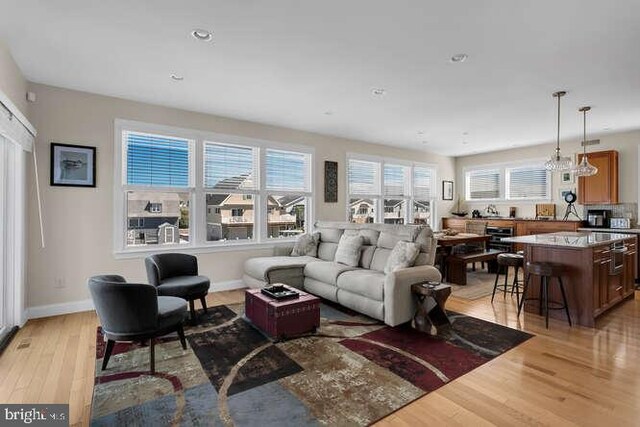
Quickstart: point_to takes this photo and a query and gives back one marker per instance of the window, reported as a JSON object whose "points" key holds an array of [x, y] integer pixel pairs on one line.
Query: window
{"points": [[392, 192], [289, 191], [509, 182], [483, 184], [183, 187], [159, 172], [528, 183]]}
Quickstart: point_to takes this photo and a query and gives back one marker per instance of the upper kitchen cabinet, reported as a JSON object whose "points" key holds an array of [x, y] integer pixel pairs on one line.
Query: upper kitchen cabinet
{"points": [[602, 188]]}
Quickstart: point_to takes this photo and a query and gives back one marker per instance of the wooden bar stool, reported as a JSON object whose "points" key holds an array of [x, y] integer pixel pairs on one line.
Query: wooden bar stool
{"points": [[546, 271], [505, 261]]}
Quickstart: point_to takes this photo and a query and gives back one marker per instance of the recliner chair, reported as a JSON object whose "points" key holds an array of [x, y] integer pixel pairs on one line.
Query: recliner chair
{"points": [[135, 312], [176, 275]]}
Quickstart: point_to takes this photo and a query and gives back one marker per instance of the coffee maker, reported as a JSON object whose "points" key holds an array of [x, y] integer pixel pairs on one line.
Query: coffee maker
{"points": [[598, 218]]}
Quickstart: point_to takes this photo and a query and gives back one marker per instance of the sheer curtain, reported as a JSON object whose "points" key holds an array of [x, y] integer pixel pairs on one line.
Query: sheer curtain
{"points": [[16, 139]]}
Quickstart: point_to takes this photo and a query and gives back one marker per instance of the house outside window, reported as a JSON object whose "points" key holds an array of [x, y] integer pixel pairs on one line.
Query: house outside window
{"points": [[390, 191], [193, 188]]}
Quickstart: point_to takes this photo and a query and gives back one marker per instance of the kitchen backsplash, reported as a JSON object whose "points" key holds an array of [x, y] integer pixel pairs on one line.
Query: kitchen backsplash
{"points": [[621, 210]]}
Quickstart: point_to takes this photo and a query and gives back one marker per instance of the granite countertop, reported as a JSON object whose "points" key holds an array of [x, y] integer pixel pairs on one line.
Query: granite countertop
{"points": [[503, 218], [612, 230], [567, 239]]}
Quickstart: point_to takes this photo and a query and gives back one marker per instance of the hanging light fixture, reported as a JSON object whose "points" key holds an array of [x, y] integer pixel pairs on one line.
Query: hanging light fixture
{"points": [[584, 168], [557, 162]]}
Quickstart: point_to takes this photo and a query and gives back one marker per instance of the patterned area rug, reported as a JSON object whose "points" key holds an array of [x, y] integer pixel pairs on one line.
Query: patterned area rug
{"points": [[353, 371]]}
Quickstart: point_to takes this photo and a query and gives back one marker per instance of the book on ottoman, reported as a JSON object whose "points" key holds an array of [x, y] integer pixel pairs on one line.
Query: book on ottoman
{"points": [[284, 318]]}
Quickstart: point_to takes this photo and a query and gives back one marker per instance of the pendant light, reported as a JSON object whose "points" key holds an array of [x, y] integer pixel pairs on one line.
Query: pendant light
{"points": [[584, 168], [557, 162]]}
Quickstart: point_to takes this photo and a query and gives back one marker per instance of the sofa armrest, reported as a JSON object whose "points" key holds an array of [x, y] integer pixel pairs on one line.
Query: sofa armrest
{"points": [[399, 304]]}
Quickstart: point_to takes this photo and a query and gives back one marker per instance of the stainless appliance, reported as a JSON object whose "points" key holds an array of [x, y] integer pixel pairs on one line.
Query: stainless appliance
{"points": [[620, 223], [497, 233], [618, 250], [598, 218]]}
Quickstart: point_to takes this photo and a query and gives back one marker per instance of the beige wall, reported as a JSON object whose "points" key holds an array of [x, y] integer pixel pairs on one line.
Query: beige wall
{"points": [[12, 83], [79, 222], [625, 143]]}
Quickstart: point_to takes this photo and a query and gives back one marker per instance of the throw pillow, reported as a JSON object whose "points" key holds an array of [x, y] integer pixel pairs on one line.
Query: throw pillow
{"points": [[403, 255], [348, 251], [306, 245]]}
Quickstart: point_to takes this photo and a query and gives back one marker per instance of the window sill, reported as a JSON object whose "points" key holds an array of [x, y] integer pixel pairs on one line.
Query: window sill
{"points": [[143, 252]]}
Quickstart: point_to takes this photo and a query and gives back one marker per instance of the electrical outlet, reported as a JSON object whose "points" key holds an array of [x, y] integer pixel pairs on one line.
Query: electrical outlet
{"points": [[59, 283]]}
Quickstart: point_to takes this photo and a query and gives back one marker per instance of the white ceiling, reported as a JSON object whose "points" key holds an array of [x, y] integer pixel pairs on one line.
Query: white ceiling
{"points": [[287, 62]]}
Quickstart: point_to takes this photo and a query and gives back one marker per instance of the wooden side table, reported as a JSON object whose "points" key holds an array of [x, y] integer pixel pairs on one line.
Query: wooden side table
{"points": [[430, 299]]}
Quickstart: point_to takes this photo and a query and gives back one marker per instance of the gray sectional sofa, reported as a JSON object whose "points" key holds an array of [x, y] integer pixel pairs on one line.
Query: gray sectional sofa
{"points": [[366, 288]]}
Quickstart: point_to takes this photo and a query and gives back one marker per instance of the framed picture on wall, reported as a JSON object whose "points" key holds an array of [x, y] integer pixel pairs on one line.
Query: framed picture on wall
{"points": [[73, 165], [566, 178], [330, 181], [447, 190]]}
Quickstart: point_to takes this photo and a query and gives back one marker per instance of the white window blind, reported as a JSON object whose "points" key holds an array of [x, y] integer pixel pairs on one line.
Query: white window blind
{"points": [[287, 171], [363, 177], [228, 167], [483, 184], [530, 182], [154, 160], [423, 182], [395, 180]]}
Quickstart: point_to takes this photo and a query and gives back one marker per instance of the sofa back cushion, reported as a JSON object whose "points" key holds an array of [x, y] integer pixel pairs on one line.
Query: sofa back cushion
{"points": [[348, 252], [380, 258], [327, 251], [331, 235]]}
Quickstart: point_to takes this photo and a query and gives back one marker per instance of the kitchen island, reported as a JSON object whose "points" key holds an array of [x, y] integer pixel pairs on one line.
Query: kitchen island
{"points": [[600, 271]]}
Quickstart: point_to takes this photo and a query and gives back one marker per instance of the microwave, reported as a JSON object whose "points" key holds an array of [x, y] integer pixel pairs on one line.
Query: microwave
{"points": [[620, 223]]}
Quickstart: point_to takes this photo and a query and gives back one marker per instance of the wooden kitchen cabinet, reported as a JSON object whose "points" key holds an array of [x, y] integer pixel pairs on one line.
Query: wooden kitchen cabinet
{"points": [[601, 188]]}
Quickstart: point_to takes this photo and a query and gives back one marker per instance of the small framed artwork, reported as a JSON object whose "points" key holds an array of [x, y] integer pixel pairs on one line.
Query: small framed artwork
{"points": [[563, 192], [566, 178], [330, 182], [447, 190], [73, 165]]}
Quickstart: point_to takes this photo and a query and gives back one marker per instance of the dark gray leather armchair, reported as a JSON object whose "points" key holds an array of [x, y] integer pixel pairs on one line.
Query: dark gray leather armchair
{"points": [[135, 312], [176, 275]]}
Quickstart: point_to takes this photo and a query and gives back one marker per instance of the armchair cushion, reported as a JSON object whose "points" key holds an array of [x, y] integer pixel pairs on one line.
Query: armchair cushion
{"points": [[171, 310], [186, 287]]}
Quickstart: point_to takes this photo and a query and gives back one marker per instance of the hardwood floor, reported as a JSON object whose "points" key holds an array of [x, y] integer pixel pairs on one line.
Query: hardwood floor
{"points": [[562, 376]]}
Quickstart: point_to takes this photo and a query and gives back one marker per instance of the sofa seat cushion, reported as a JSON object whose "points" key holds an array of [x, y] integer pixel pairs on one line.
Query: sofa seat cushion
{"points": [[184, 286], [171, 311], [260, 267], [326, 271], [368, 283]]}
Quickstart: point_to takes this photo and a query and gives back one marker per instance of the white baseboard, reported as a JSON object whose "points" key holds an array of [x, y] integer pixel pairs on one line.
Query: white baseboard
{"points": [[58, 309], [227, 285], [86, 305]]}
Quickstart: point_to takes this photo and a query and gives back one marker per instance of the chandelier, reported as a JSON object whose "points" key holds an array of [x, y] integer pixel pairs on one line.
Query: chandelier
{"points": [[584, 168], [558, 162]]}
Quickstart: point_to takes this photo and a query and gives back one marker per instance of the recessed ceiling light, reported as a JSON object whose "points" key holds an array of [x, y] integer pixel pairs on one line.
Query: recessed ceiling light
{"points": [[465, 133], [607, 128], [459, 57], [425, 142], [176, 77], [378, 91], [328, 113], [202, 35], [465, 142], [420, 132]]}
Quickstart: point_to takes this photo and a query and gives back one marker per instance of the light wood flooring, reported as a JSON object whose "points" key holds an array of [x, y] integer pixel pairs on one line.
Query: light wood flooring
{"points": [[562, 376]]}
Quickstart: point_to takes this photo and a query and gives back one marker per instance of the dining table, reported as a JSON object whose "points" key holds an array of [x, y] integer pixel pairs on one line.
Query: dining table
{"points": [[447, 242]]}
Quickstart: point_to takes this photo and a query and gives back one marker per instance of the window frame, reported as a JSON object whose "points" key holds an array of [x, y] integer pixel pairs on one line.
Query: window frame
{"points": [[197, 199], [503, 171], [380, 196]]}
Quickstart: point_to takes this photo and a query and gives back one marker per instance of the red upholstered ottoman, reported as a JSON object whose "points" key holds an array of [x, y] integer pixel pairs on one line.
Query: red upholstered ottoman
{"points": [[283, 319]]}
